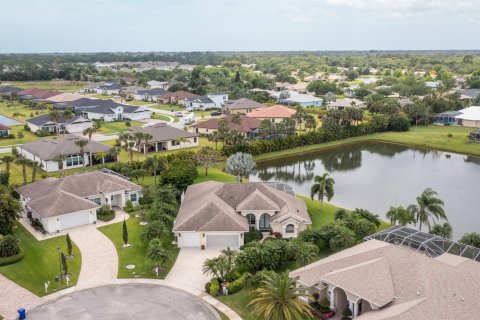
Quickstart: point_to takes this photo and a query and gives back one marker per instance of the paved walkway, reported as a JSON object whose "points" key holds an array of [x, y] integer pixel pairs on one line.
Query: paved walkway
{"points": [[12, 296], [99, 257]]}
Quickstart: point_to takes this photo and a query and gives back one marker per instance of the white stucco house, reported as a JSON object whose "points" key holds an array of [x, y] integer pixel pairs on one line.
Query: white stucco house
{"points": [[110, 111], [209, 101], [73, 125], [72, 201], [215, 214], [45, 150]]}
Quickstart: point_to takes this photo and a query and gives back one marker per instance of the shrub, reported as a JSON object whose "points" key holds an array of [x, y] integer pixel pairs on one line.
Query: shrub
{"points": [[347, 312], [399, 123], [214, 287], [12, 259], [11, 136], [9, 246], [26, 127], [4, 178], [253, 235], [20, 135], [38, 226], [128, 124], [105, 213], [42, 133], [207, 287], [237, 285], [128, 206], [449, 135]]}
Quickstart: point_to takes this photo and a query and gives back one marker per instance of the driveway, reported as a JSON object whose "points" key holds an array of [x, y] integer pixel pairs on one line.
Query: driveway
{"points": [[13, 297], [129, 301], [187, 271]]}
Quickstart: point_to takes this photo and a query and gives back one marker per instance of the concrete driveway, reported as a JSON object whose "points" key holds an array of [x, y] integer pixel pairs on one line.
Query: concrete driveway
{"points": [[187, 271], [129, 301]]}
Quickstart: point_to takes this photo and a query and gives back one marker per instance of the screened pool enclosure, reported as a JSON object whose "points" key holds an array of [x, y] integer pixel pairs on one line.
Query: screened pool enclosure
{"points": [[429, 244]]}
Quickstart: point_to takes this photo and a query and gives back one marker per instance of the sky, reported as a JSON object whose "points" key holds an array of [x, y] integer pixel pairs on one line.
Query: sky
{"points": [[237, 25]]}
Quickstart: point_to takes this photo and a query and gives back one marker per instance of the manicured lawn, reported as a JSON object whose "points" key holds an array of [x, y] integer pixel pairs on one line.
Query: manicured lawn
{"points": [[167, 107], [165, 118], [62, 85], [41, 263], [27, 137], [137, 253], [430, 137], [117, 126], [220, 313], [239, 302], [214, 173], [135, 102]]}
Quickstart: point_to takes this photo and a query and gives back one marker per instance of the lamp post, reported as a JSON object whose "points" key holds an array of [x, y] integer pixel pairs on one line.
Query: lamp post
{"points": [[60, 263]]}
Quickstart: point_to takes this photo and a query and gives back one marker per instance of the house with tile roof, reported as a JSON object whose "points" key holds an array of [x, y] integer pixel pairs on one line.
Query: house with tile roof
{"points": [[274, 113], [249, 127], [242, 106], [177, 97], [72, 201], [215, 214], [398, 274], [165, 137], [109, 110], [45, 150]]}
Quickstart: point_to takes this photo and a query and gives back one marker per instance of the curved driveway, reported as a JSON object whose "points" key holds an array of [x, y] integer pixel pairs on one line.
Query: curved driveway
{"points": [[130, 301]]}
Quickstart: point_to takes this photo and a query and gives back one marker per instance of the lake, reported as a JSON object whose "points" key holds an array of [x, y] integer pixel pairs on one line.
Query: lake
{"points": [[8, 121], [375, 176]]}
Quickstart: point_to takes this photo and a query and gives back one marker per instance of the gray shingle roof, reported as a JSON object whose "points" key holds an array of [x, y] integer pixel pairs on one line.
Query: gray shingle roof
{"points": [[201, 99], [153, 92], [45, 119], [47, 149]]}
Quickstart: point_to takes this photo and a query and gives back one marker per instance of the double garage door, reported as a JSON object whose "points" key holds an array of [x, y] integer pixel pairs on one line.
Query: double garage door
{"points": [[73, 220], [192, 240]]}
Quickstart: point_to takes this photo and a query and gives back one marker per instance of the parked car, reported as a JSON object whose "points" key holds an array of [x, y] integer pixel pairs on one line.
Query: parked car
{"points": [[215, 113], [179, 114]]}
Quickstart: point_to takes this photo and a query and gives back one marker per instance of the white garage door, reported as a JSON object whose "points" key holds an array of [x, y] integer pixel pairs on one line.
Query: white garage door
{"points": [[73, 220], [190, 240], [222, 241]]}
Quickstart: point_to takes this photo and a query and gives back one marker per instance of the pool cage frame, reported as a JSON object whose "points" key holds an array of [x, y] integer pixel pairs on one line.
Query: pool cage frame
{"points": [[431, 245], [446, 118], [474, 136]]}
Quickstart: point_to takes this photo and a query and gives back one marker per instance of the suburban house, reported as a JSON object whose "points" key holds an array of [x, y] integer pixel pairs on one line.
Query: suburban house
{"points": [[149, 94], [177, 97], [109, 110], [399, 273], [346, 103], [154, 84], [469, 94], [129, 92], [210, 101], [242, 106], [34, 93], [8, 90], [109, 89], [215, 214], [45, 151], [249, 127], [72, 201], [274, 113], [165, 137], [4, 131], [303, 100], [468, 117], [62, 125], [65, 97]]}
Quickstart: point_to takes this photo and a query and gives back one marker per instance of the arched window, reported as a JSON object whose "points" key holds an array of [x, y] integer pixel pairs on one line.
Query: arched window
{"points": [[290, 228], [264, 221], [251, 219]]}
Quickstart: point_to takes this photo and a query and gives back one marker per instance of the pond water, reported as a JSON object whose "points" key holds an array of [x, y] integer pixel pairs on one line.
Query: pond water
{"points": [[377, 176], [8, 121]]}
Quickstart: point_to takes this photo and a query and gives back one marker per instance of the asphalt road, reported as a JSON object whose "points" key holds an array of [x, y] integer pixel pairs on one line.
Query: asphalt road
{"points": [[128, 301]]}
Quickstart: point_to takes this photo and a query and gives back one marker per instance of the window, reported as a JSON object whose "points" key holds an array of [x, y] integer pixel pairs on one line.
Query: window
{"points": [[73, 160], [290, 228], [133, 197], [264, 221], [97, 201], [251, 219], [195, 140], [175, 143]]}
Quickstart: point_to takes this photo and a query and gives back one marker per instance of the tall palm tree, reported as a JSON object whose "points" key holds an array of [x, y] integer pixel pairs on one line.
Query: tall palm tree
{"points": [[89, 132], [157, 253], [81, 144], [60, 159], [131, 145], [138, 137], [400, 215], [7, 160], [24, 163], [215, 137], [123, 138], [54, 116], [322, 187], [147, 137], [428, 207], [280, 299], [153, 164], [35, 165], [115, 152]]}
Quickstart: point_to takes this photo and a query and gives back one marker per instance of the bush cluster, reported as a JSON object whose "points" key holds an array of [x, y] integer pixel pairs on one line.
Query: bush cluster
{"points": [[214, 287]]}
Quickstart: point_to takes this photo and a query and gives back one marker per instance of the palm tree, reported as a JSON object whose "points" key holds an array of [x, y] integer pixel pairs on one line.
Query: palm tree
{"points": [[101, 156], [157, 253], [115, 152], [54, 116], [35, 165], [215, 137], [8, 160], [131, 145], [89, 132], [81, 144], [138, 141], [67, 115], [323, 187], [401, 215], [280, 299], [24, 163], [444, 230], [428, 206], [147, 137], [342, 237], [60, 159], [124, 137], [153, 164]]}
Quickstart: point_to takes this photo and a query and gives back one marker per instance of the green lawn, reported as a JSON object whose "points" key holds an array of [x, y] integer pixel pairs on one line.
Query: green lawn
{"points": [[214, 173], [41, 263], [239, 302], [429, 137], [27, 137], [117, 126], [62, 85], [135, 102], [136, 253], [167, 107], [10, 108]]}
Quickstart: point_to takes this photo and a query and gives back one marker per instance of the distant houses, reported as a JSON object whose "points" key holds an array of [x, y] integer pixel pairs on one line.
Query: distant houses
{"points": [[153, 84], [242, 106], [468, 117], [298, 99], [248, 127], [346, 103], [274, 113], [209, 101], [177, 97], [149, 94]]}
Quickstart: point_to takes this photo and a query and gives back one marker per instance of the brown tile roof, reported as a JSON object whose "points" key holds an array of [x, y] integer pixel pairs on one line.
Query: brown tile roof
{"points": [[179, 95], [215, 206], [47, 149], [423, 287], [163, 132], [4, 127], [247, 124], [276, 111], [242, 103], [56, 196], [38, 93]]}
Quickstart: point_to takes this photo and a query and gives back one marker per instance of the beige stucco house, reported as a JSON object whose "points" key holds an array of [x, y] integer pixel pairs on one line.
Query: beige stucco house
{"points": [[215, 214]]}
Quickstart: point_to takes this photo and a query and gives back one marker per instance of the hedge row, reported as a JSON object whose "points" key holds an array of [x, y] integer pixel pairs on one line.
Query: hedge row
{"points": [[257, 147], [237, 285], [12, 259]]}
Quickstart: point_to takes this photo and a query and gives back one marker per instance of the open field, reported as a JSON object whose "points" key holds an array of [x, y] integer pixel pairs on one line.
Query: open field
{"points": [[61, 85], [41, 263]]}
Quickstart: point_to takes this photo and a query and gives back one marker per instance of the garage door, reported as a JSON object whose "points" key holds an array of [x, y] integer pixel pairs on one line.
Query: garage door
{"points": [[73, 220], [222, 241], [190, 240]]}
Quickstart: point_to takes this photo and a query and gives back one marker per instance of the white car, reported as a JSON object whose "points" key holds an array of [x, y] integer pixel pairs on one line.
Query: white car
{"points": [[179, 114]]}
